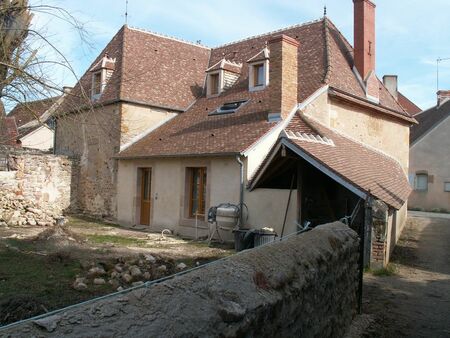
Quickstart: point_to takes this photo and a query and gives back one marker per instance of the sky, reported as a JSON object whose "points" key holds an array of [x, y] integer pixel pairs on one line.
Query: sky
{"points": [[411, 34]]}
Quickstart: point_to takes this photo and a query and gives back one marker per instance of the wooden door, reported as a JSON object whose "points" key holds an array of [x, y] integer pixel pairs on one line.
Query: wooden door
{"points": [[146, 192]]}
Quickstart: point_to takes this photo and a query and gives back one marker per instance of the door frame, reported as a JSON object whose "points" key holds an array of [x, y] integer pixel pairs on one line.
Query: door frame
{"points": [[139, 194]]}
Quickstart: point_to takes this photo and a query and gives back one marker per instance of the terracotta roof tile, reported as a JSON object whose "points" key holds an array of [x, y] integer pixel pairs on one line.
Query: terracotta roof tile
{"points": [[365, 168], [149, 69], [324, 57], [408, 105], [8, 131], [428, 119]]}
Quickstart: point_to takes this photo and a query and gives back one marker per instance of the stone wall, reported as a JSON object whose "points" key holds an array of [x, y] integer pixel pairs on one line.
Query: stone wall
{"points": [[305, 286], [42, 178]]}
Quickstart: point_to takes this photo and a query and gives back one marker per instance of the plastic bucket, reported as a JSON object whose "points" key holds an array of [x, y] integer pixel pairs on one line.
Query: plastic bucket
{"points": [[243, 239]]}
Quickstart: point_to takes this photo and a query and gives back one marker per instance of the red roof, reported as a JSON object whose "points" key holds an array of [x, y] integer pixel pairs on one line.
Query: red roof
{"points": [[324, 58], [29, 111], [149, 68], [408, 105], [8, 131], [368, 170]]}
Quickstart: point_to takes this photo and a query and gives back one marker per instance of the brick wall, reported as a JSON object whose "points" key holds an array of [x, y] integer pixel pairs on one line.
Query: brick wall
{"points": [[283, 74], [305, 286]]}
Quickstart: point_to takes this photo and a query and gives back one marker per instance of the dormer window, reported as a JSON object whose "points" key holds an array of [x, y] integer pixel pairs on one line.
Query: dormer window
{"points": [[221, 76], [96, 83], [214, 87], [258, 71], [258, 75], [101, 73]]}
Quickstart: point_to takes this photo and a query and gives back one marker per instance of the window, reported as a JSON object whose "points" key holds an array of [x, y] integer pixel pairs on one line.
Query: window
{"points": [[421, 182], [97, 83], [214, 84], [197, 191], [228, 108], [447, 186], [258, 75]]}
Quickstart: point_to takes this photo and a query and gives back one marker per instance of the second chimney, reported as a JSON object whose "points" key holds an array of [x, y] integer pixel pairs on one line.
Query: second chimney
{"points": [[283, 74], [442, 97], [391, 84]]}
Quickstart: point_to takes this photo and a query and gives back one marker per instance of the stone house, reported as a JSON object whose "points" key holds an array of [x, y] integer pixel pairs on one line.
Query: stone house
{"points": [[304, 82], [429, 170], [139, 81], [166, 129]]}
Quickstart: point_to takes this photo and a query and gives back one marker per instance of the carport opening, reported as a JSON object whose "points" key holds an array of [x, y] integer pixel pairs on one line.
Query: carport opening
{"points": [[320, 199]]}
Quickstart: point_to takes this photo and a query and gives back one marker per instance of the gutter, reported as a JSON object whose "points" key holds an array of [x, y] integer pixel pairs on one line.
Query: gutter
{"points": [[241, 191], [144, 157]]}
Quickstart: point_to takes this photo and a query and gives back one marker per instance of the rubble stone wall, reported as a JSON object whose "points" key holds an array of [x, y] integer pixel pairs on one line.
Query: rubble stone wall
{"points": [[305, 286], [38, 181]]}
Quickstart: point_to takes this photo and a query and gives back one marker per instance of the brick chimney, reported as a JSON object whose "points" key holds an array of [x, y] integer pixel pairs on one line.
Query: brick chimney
{"points": [[391, 84], [283, 74], [442, 97], [364, 45]]}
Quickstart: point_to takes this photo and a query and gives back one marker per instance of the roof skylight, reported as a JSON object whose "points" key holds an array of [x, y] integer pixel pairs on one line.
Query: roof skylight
{"points": [[228, 107]]}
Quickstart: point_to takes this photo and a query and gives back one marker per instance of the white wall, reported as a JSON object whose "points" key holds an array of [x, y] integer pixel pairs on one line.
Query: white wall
{"points": [[41, 138], [266, 206]]}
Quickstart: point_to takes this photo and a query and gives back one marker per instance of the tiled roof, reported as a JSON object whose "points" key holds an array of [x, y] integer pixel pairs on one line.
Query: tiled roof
{"points": [[324, 57], [367, 169], [408, 105], [150, 69], [226, 65], [28, 111], [8, 131], [428, 119]]}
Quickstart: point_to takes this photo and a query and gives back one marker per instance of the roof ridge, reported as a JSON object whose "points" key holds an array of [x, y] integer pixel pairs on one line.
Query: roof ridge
{"points": [[268, 33], [368, 146], [165, 36], [326, 78]]}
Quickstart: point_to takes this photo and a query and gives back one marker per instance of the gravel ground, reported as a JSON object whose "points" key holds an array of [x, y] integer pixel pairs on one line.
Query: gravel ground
{"points": [[415, 300]]}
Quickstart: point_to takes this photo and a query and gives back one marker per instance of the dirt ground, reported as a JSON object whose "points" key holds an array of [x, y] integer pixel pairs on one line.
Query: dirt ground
{"points": [[415, 300], [39, 265]]}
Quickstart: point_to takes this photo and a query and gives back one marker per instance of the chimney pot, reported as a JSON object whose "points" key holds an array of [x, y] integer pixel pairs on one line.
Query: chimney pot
{"points": [[391, 84], [442, 97]]}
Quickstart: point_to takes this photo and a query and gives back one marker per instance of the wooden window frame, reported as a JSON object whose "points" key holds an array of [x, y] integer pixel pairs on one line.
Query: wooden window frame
{"points": [[416, 182], [257, 82], [214, 82], [96, 89], [203, 174]]}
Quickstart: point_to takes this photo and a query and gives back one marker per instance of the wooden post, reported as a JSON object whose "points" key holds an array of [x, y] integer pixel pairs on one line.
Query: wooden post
{"points": [[299, 192]]}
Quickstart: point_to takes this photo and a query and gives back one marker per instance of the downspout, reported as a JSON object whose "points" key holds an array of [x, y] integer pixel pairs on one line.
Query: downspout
{"points": [[241, 193]]}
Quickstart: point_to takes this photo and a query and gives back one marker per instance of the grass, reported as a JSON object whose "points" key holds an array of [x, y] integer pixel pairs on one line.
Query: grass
{"points": [[116, 240], [45, 280], [389, 270]]}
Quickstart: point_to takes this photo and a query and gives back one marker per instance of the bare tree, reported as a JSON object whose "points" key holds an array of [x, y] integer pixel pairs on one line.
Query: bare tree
{"points": [[25, 73]]}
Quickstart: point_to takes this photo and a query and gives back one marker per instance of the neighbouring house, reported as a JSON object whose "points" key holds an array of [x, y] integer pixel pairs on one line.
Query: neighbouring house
{"points": [[429, 170], [165, 129], [35, 122], [391, 84]]}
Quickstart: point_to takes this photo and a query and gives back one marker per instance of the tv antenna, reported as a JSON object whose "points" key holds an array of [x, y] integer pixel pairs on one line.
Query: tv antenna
{"points": [[126, 12], [439, 60]]}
